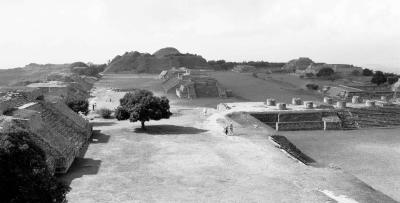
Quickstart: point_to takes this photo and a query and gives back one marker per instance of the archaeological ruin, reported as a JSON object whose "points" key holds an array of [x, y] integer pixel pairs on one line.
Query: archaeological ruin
{"points": [[324, 115], [191, 84], [61, 133]]}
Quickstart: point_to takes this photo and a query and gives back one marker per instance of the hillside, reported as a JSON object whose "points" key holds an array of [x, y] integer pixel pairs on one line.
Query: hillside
{"points": [[162, 59], [31, 72]]}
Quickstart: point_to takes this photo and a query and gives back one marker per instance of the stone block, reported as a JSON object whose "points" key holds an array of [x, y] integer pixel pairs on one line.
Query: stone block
{"points": [[281, 106], [308, 104], [341, 104], [328, 100], [297, 101], [271, 102]]}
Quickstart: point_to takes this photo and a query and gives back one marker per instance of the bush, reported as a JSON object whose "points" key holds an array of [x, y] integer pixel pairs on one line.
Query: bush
{"points": [[104, 113], [325, 72], [309, 75], [24, 175], [312, 86], [121, 114], [367, 72], [378, 78], [79, 106], [392, 80], [9, 111]]}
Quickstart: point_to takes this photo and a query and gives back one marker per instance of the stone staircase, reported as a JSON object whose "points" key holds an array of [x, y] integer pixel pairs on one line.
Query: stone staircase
{"points": [[171, 84], [347, 119]]}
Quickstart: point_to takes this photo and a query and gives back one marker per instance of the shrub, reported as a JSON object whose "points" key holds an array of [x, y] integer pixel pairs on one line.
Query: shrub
{"points": [[378, 78], [79, 106], [104, 113], [367, 72], [309, 75], [325, 72], [121, 114], [143, 106], [9, 111], [24, 175], [392, 80], [312, 86]]}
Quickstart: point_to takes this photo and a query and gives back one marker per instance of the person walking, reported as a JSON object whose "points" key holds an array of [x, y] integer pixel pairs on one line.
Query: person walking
{"points": [[231, 129]]}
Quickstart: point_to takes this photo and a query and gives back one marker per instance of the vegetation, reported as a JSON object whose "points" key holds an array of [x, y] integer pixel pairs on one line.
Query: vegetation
{"points": [[9, 111], [24, 175], [312, 86], [367, 72], [325, 72], [355, 73], [379, 78], [89, 70], [121, 114], [391, 80], [224, 65], [104, 113], [78, 64], [79, 106], [143, 106]]}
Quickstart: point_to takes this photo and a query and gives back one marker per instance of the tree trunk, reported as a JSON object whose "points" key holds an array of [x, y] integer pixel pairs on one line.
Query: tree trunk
{"points": [[143, 127]]}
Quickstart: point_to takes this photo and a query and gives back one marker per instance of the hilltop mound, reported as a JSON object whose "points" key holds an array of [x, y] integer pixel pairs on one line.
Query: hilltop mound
{"points": [[298, 64], [166, 52], [162, 59]]}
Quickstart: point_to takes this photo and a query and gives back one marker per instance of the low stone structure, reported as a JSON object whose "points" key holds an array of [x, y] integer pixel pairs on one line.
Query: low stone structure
{"points": [[244, 68], [58, 131], [192, 84], [62, 90]]}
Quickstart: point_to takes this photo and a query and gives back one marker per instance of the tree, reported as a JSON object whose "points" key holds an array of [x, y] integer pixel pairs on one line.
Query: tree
{"points": [[24, 175], [378, 78], [143, 106], [391, 80], [79, 106], [367, 72], [325, 72]]}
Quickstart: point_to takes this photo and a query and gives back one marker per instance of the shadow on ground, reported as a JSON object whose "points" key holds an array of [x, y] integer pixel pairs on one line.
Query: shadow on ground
{"points": [[79, 168], [99, 124], [99, 137], [169, 129]]}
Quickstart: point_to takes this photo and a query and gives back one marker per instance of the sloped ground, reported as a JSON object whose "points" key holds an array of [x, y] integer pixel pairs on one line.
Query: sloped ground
{"points": [[187, 159], [370, 154]]}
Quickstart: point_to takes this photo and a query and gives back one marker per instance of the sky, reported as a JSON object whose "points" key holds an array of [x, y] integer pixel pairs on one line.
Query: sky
{"points": [[359, 32]]}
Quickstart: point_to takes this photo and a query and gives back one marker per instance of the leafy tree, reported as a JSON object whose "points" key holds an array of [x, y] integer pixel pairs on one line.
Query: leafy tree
{"points": [[367, 72], [104, 113], [121, 113], [24, 175], [391, 80], [378, 78], [143, 106], [325, 72], [79, 106]]}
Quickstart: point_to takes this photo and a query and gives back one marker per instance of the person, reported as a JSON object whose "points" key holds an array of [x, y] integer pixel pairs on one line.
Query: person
{"points": [[226, 130], [230, 128], [93, 106]]}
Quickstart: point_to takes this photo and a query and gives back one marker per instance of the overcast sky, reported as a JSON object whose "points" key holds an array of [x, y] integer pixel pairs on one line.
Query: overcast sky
{"points": [[333, 31]]}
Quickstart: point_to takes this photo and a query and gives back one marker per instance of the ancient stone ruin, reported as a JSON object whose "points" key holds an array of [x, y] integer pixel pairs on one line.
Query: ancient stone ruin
{"points": [[319, 115], [190, 84], [61, 133]]}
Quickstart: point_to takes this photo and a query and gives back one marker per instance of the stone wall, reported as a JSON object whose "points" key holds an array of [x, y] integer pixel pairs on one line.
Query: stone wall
{"points": [[299, 117], [308, 125]]}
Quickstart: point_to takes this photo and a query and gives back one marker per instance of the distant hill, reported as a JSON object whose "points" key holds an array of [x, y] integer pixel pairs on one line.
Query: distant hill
{"points": [[29, 73], [162, 59], [298, 64]]}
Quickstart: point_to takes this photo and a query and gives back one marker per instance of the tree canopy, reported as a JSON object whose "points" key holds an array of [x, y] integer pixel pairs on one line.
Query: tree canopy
{"points": [[24, 175], [325, 72], [142, 105], [379, 78], [367, 72]]}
